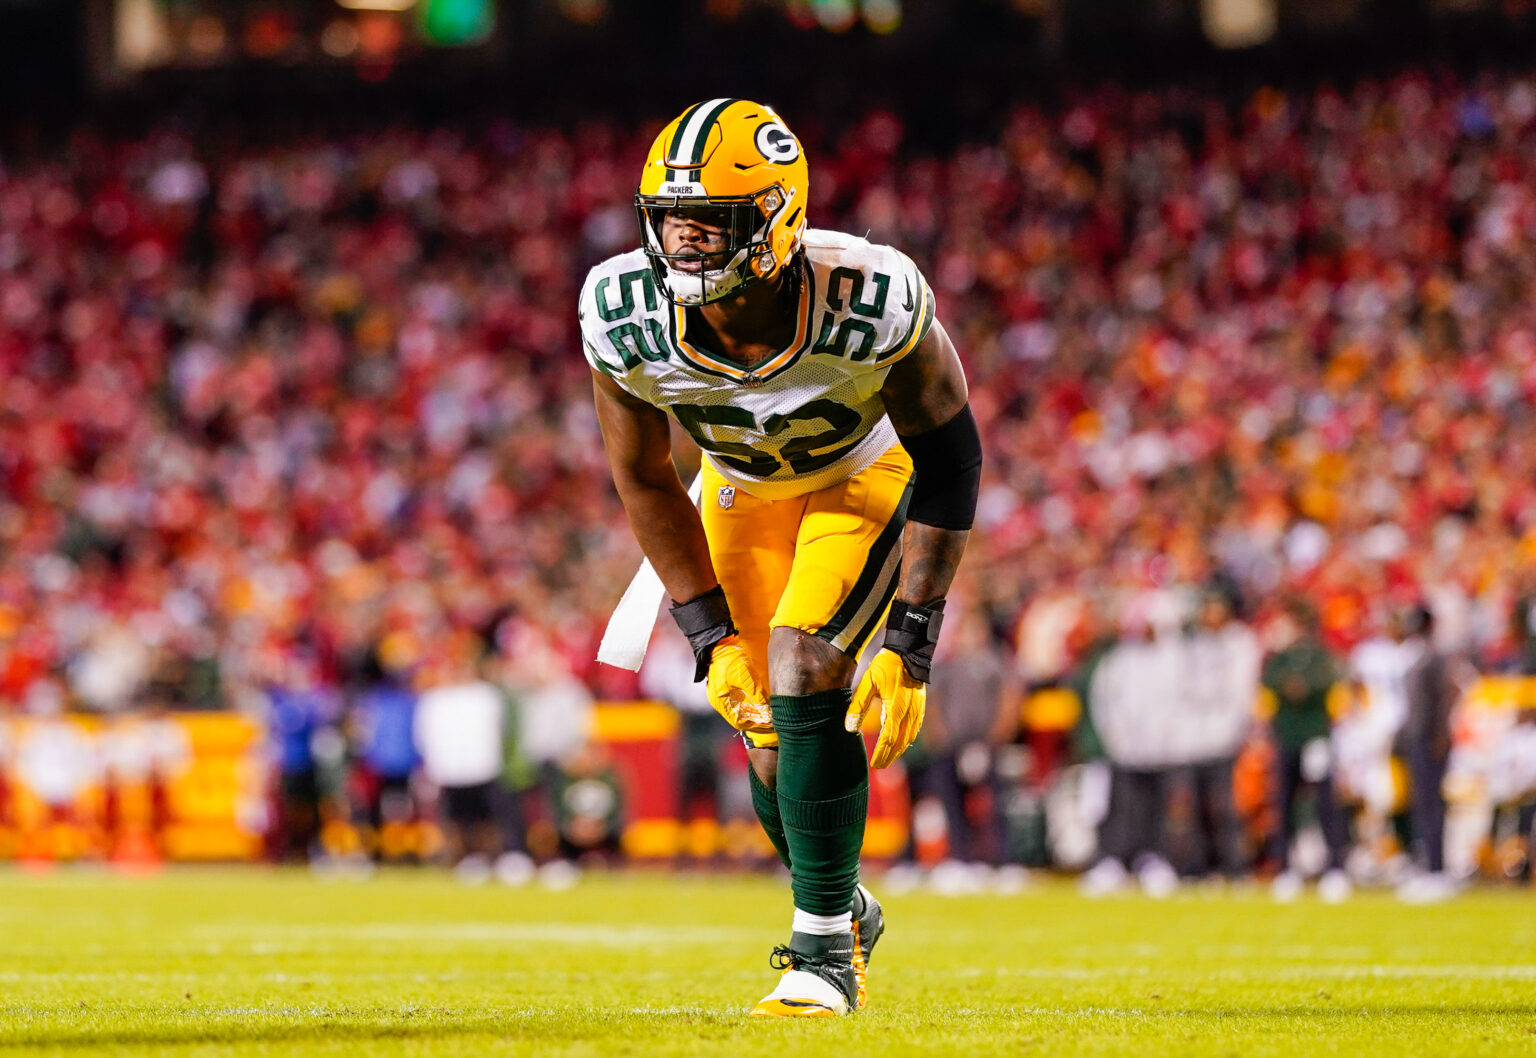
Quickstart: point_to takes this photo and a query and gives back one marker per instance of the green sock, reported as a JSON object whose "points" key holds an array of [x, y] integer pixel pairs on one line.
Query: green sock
{"points": [[823, 793], [766, 804]]}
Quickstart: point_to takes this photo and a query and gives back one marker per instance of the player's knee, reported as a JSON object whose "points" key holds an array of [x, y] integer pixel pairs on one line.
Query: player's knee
{"points": [[765, 765], [803, 664]]}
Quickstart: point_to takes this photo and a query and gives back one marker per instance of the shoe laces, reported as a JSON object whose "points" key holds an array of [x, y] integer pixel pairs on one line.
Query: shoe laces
{"points": [[786, 958]]}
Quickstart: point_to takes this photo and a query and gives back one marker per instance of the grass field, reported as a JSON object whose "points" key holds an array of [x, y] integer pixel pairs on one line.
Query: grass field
{"points": [[246, 962]]}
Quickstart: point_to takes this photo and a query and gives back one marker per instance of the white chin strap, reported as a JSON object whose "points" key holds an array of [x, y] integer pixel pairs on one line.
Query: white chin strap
{"points": [[712, 284]]}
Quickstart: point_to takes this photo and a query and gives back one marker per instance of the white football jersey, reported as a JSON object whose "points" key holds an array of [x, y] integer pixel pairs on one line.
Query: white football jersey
{"points": [[806, 418]]}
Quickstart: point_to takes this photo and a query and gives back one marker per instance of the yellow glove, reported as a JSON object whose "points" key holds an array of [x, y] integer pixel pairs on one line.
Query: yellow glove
{"points": [[903, 702], [734, 689]]}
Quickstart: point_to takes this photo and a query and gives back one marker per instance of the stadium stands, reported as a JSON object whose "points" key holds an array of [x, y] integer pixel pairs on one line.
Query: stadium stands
{"points": [[321, 401]]}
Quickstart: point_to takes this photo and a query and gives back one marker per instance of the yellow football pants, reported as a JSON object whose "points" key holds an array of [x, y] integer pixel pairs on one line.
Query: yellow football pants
{"points": [[826, 563]]}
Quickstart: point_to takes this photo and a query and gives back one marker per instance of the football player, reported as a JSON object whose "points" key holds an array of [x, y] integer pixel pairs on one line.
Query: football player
{"points": [[841, 465]]}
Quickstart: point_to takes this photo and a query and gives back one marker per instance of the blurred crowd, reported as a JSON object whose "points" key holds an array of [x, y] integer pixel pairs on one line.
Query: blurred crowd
{"points": [[279, 418]]}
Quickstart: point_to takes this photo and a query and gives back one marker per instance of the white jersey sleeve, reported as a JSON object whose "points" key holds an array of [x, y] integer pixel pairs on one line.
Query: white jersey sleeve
{"points": [[620, 316], [875, 306]]}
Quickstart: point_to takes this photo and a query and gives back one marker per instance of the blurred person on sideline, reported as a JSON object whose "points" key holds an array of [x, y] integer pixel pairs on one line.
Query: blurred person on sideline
{"points": [[1077, 808], [459, 732], [1364, 736], [587, 798], [301, 711], [976, 692], [520, 781], [381, 727], [554, 708], [1300, 674], [668, 676], [1217, 697], [1424, 743], [1134, 698]]}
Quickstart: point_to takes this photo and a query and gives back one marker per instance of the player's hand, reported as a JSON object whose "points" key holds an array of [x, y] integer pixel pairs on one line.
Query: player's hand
{"points": [[903, 702], [734, 688]]}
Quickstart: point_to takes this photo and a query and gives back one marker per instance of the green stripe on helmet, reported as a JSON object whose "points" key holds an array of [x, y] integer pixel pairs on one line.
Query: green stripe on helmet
{"points": [[677, 138], [709, 123]]}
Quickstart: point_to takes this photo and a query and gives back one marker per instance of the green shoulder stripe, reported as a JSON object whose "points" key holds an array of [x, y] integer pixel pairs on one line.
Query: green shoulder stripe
{"points": [[922, 322], [596, 360]]}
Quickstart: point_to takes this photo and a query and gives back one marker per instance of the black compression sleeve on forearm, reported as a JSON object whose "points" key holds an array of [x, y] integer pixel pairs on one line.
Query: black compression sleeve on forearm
{"points": [[946, 465]]}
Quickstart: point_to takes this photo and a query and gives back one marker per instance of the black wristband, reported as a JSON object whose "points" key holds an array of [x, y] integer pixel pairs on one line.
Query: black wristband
{"points": [[705, 620], [913, 632]]}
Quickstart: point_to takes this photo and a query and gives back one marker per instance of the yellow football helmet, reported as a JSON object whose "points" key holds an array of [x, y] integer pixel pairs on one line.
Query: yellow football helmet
{"points": [[738, 160]]}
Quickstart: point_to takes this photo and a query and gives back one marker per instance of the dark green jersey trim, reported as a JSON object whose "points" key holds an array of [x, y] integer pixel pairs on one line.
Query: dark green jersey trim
{"points": [[857, 643], [683, 357], [921, 323], [808, 308], [597, 361], [889, 537]]}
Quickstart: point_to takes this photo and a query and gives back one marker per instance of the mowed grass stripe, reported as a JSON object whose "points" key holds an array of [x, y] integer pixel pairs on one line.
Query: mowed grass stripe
{"points": [[245, 962]]}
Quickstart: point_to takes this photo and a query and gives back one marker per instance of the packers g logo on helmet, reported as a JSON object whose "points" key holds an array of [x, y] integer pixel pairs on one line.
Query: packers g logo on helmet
{"points": [[776, 142], [738, 160]]}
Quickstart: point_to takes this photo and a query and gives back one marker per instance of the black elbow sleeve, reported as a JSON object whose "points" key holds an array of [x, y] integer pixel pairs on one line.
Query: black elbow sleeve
{"points": [[946, 468]]}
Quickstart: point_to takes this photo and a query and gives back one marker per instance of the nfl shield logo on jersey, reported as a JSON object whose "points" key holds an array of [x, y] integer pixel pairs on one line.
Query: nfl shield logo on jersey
{"points": [[727, 496]]}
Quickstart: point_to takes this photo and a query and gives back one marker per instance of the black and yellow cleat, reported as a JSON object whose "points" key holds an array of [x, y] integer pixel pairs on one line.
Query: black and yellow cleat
{"points": [[818, 979], [868, 924]]}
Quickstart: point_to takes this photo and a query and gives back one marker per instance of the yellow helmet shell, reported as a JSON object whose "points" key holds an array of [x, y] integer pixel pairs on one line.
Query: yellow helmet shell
{"points": [[729, 153]]}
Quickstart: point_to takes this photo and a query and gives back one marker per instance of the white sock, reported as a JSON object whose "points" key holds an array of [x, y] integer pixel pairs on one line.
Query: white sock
{"points": [[822, 925]]}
